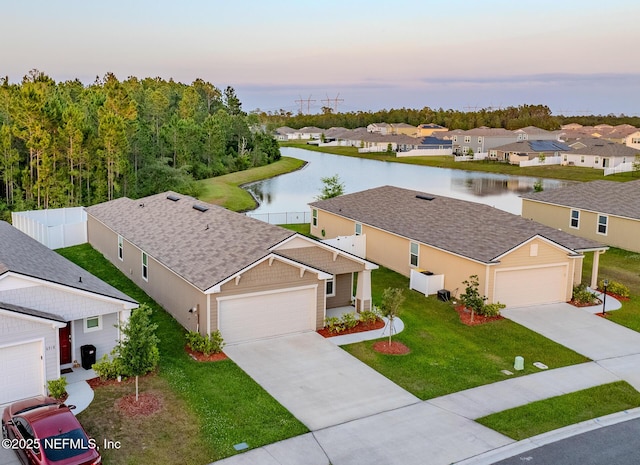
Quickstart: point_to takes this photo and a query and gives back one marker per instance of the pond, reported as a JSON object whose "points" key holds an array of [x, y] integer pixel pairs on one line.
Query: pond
{"points": [[293, 191]]}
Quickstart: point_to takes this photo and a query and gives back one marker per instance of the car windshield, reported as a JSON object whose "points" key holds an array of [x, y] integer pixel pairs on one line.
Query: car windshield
{"points": [[65, 445]]}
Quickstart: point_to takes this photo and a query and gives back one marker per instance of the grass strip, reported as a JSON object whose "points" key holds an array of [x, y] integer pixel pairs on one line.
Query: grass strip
{"points": [[556, 412]]}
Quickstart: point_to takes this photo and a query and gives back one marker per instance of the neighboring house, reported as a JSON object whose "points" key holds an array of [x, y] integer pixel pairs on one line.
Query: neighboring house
{"points": [[284, 133], [605, 211], [535, 133], [404, 128], [214, 269], [429, 146], [633, 140], [426, 130], [379, 128], [49, 309], [517, 261], [598, 153], [481, 140], [373, 142], [526, 150]]}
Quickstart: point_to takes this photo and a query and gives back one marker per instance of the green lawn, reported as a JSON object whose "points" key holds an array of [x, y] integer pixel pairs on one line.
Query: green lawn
{"points": [[550, 414], [447, 356], [571, 173], [218, 404], [227, 191]]}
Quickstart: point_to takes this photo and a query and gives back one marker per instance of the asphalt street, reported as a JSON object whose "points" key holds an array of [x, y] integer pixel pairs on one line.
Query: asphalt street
{"points": [[617, 444]]}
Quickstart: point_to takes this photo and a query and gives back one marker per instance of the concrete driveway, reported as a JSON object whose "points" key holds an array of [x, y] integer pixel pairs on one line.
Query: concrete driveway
{"points": [[577, 329], [319, 383]]}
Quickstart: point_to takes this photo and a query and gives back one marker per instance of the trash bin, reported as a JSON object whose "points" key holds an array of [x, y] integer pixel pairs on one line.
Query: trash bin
{"points": [[88, 356], [444, 295]]}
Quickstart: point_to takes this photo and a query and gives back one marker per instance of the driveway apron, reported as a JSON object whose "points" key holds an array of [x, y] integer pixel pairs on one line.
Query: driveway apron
{"points": [[319, 383], [579, 330]]}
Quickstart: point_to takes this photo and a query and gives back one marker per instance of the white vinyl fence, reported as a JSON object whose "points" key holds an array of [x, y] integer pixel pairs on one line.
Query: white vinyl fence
{"points": [[546, 161], [55, 228], [282, 218], [621, 168], [355, 245]]}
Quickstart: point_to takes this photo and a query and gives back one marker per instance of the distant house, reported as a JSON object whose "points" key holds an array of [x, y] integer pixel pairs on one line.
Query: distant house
{"points": [[535, 133], [379, 128], [633, 140], [49, 309], [526, 150], [429, 146], [426, 130], [284, 133], [404, 129], [214, 269], [604, 211], [518, 262], [598, 153], [481, 140]]}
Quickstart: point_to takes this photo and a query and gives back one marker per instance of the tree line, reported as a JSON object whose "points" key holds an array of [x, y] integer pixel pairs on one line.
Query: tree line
{"points": [[69, 144], [513, 117]]}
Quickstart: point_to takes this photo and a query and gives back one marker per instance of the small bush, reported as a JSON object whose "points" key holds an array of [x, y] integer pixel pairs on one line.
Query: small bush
{"points": [[57, 387], [369, 316], [107, 368], [349, 320], [333, 324], [582, 295], [615, 288], [491, 309], [211, 344]]}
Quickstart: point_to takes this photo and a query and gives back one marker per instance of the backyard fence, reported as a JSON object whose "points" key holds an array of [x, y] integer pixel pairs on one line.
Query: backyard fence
{"points": [[621, 168], [282, 218], [544, 161]]}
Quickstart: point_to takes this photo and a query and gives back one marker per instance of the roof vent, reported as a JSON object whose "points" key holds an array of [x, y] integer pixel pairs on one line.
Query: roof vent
{"points": [[173, 198], [424, 197], [200, 208]]}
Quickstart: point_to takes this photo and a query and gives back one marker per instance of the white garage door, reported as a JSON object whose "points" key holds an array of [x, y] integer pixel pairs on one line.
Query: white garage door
{"points": [[21, 368], [258, 316], [517, 288]]}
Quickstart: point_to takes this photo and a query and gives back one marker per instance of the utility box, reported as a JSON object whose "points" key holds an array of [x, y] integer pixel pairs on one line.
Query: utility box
{"points": [[444, 295], [88, 356], [519, 363]]}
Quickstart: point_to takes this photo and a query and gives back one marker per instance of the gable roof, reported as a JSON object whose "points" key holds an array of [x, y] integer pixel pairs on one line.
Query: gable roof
{"points": [[534, 146], [603, 148], [203, 247], [31, 312], [470, 229], [28, 257], [611, 197]]}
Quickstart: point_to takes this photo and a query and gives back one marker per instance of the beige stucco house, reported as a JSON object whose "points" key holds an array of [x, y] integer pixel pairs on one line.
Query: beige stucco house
{"points": [[604, 211], [49, 309], [214, 269], [518, 262]]}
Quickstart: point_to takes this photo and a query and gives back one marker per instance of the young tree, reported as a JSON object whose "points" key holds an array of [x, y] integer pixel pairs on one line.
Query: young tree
{"points": [[636, 164], [392, 300], [138, 349], [332, 187], [471, 297]]}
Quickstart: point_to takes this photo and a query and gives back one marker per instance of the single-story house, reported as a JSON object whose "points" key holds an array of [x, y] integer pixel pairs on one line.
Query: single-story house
{"points": [[49, 309], [633, 140], [428, 129], [605, 211], [525, 150], [518, 261], [214, 269], [598, 153]]}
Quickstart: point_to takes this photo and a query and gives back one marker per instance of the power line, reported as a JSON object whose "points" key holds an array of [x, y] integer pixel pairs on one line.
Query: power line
{"points": [[308, 100]]}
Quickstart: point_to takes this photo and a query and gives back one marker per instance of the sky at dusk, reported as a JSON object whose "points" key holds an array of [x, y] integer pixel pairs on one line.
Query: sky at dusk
{"points": [[574, 56]]}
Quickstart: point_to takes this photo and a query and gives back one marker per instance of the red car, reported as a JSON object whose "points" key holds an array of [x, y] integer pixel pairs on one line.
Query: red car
{"points": [[44, 431]]}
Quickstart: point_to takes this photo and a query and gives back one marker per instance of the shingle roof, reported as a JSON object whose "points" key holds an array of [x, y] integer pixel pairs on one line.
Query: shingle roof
{"points": [[466, 228], [604, 148], [534, 146], [614, 198], [202, 247], [21, 254], [31, 312]]}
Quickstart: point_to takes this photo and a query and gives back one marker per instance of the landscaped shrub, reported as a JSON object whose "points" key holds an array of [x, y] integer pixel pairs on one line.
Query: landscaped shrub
{"points": [[471, 297], [333, 324], [491, 309], [108, 368], [57, 387], [615, 288], [369, 316], [211, 344], [582, 295], [349, 320]]}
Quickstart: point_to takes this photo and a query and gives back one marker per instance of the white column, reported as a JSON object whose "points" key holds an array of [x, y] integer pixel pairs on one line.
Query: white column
{"points": [[594, 269], [363, 291]]}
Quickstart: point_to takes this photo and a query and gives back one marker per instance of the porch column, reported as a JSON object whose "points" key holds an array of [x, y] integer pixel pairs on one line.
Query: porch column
{"points": [[594, 269], [363, 291]]}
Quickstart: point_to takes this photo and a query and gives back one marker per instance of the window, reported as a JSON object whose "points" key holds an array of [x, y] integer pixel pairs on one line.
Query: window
{"points": [[525, 136], [465, 149], [315, 218], [519, 136], [479, 150], [596, 161], [413, 254], [479, 139], [145, 267], [120, 247], [564, 157], [455, 138], [602, 224], [331, 287], [93, 323], [581, 158], [575, 219], [358, 229], [635, 140], [467, 139]]}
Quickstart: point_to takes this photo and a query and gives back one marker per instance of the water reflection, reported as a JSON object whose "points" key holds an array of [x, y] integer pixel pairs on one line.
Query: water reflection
{"points": [[292, 192]]}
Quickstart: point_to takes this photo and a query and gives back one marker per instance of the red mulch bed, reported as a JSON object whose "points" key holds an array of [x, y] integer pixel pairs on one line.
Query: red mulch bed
{"points": [[580, 304], [147, 404], [465, 317], [99, 382], [616, 296], [606, 315], [360, 327], [395, 348], [200, 357]]}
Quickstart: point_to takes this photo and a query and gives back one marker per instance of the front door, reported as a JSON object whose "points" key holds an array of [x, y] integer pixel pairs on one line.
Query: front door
{"points": [[65, 344]]}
